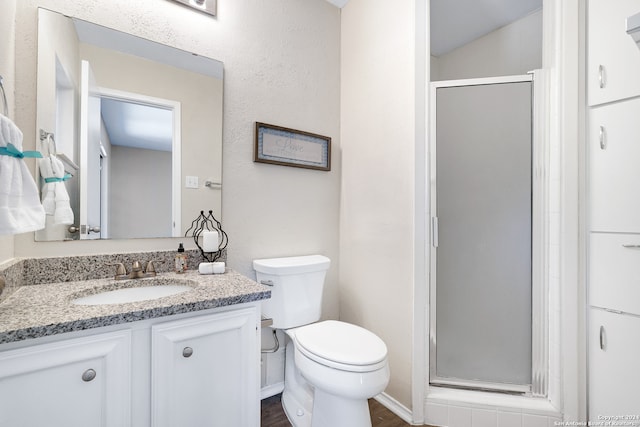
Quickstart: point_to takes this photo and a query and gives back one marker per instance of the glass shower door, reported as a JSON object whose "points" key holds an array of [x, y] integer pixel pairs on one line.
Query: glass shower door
{"points": [[481, 321]]}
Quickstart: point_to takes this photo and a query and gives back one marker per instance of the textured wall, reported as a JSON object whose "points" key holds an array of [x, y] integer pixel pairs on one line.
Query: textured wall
{"points": [[378, 141], [281, 62]]}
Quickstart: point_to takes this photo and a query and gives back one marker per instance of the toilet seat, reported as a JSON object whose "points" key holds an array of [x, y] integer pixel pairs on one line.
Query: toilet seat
{"points": [[341, 346]]}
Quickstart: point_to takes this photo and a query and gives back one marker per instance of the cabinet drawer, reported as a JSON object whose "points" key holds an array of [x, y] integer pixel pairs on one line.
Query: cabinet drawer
{"points": [[613, 57], [614, 272], [614, 372], [614, 169]]}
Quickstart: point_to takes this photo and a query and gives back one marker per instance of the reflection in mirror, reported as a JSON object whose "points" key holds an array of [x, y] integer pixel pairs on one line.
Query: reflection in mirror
{"points": [[132, 120]]}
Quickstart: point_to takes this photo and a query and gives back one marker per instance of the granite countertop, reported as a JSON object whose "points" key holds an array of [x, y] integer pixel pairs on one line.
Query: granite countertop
{"points": [[40, 310]]}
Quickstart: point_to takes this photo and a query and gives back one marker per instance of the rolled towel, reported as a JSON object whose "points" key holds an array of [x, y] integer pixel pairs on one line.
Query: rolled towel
{"points": [[55, 198], [63, 213], [46, 167], [49, 198], [20, 207]]}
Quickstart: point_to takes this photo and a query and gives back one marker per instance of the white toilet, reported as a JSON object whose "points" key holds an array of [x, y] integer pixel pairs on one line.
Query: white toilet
{"points": [[331, 367]]}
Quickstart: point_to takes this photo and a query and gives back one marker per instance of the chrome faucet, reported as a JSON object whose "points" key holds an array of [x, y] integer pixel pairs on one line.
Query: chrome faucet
{"points": [[136, 270]]}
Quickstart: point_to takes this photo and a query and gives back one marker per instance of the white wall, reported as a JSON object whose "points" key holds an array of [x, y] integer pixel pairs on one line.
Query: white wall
{"points": [[281, 62], [378, 140], [513, 49], [140, 203], [7, 71]]}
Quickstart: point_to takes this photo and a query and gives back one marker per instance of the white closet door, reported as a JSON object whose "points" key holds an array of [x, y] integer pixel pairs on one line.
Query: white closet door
{"points": [[613, 58], [614, 150], [614, 372], [614, 271]]}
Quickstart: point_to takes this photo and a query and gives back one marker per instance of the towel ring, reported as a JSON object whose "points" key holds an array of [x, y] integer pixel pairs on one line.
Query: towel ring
{"points": [[48, 142], [4, 98]]}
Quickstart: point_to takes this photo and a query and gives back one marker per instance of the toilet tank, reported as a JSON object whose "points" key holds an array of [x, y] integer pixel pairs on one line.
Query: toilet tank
{"points": [[296, 288]]}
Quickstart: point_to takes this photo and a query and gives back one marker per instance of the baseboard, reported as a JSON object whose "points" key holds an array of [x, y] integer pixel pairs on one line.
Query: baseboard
{"points": [[271, 390], [396, 407]]}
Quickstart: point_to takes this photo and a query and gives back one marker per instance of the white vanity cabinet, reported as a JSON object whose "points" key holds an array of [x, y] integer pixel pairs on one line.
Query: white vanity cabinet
{"points": [[613, 56], [81, 382], [205, 371], [194, 369], [614, 372]]}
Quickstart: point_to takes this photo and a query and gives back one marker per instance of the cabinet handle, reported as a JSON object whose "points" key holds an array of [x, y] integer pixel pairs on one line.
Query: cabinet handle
{"points": [[187, 352], [266, 282], [602, 343], [631, 246], [88, 375], [603, 138], [602, 77]]}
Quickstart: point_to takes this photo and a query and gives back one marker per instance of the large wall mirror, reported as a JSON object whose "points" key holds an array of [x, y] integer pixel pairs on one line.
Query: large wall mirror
{"points": [[130, 130]]}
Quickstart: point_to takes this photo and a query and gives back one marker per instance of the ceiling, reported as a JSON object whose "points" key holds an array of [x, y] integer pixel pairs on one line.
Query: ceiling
{"points": [[136, 125], [455, 23]]}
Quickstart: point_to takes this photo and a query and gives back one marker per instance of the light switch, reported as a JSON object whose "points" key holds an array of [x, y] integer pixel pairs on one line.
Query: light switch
{"points": [[191, 182]]}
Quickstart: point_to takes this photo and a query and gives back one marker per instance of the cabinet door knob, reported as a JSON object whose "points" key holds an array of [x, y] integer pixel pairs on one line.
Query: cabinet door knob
{"points": [[602, 137], [88, 375], [602, 77], [187, 352], [602, 338]]}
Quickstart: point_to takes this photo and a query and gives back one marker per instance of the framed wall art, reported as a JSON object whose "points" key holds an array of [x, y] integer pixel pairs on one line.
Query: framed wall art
{"points": [[289, 147]]}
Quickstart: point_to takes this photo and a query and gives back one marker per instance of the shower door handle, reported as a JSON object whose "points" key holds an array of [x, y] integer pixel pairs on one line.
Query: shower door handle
{"points": [[434, 231]]}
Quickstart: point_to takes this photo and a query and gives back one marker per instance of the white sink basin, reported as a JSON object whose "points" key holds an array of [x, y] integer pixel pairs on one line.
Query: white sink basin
{"points": [[125, 295]]}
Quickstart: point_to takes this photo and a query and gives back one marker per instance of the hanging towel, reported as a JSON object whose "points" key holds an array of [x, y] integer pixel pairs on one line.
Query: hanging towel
{"points": [[20, 207], [55, 198]]}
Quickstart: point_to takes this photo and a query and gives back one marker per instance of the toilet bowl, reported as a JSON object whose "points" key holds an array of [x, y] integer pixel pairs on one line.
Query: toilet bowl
{"points": [[331, 368], [345, 365]]}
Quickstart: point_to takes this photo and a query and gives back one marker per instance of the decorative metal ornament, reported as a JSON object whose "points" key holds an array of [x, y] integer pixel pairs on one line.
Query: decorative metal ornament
{"points": [[208, 223]]}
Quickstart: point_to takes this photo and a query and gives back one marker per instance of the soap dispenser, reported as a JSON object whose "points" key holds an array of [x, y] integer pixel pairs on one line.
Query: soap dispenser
{"points": [[180, 263]]}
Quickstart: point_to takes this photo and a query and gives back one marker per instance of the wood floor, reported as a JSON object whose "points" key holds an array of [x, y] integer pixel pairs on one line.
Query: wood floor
{"points": [[273, 415]]}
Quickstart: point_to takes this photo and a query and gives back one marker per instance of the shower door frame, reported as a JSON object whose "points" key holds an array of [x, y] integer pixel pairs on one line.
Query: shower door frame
{"points": [[539, 241]]}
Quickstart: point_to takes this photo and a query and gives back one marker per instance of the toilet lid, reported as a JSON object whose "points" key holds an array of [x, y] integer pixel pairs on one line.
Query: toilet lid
{"points": [[342, 343]]}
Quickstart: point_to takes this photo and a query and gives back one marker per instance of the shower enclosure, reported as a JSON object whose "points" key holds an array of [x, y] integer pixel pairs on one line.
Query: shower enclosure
{"points": [[484, 257]]}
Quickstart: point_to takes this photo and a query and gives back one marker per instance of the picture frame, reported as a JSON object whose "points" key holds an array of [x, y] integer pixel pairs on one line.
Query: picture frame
{"points": [[205, 6], [279, 145]]}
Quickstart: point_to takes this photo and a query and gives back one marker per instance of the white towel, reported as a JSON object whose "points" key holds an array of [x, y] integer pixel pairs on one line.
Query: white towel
{"points": [[63, 214], [55, 198], [20, 208], [48, 189]]}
